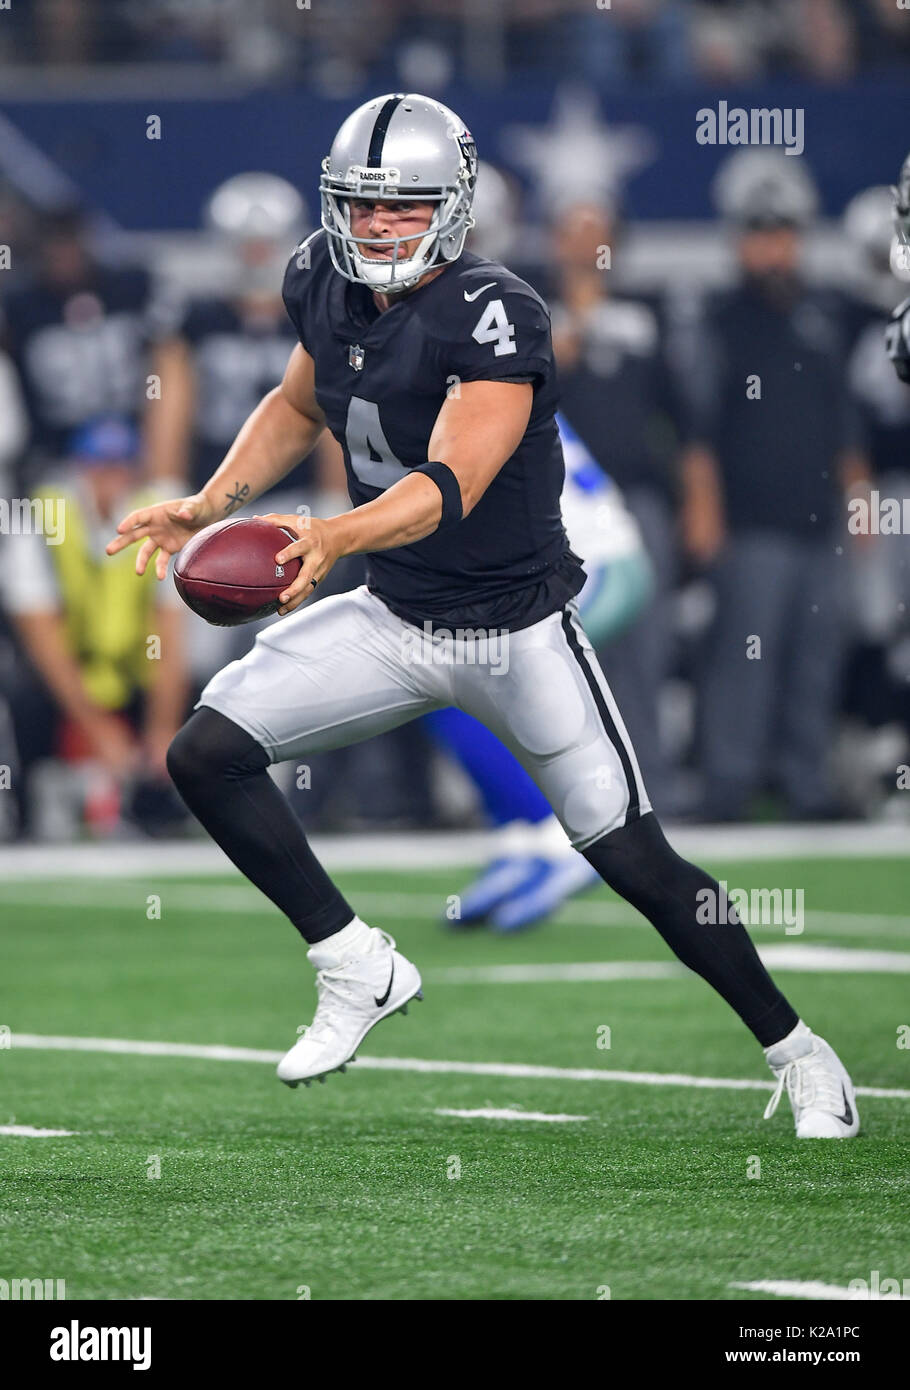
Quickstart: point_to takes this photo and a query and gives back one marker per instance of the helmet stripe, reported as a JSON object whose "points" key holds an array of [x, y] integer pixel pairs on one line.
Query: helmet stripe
{"points": [[377, 139]]}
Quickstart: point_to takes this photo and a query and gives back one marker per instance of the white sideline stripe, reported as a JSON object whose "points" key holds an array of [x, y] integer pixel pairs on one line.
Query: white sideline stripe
{"points": [[435, 849], [799, 1288], [217, 1052], [30, 1132], [512, 1115], [811, 959], [415, 906]]}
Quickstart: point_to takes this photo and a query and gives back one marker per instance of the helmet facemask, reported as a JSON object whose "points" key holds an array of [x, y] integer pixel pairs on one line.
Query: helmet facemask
{"points": [[442, 242]]}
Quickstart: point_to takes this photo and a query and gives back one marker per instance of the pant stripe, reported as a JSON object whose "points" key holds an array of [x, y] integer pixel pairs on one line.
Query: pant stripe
{"points": [[633, 810]]}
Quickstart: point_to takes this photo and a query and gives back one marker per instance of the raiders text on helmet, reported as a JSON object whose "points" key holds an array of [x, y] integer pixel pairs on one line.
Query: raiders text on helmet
{"points": [[405, 147]]}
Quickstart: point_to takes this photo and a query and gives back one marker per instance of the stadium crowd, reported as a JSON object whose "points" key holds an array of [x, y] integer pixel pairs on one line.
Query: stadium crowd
{"points": [[350, 43]]}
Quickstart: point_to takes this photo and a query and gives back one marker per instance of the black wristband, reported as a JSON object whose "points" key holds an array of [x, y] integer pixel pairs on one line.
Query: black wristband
{"points": [[447, 483]]}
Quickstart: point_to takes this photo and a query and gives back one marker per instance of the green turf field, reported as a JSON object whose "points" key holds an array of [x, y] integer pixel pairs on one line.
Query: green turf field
{"points": [[359, 1189]]}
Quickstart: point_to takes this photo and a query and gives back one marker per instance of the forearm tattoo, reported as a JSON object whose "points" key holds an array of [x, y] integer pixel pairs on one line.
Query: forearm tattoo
{"points": [[236, 498]]}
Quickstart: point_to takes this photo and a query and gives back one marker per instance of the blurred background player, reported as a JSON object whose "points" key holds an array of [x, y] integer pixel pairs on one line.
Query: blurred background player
{"points": [[83, 334], [878, 670], [231, 346], [105, 689], [766, 478], [898, 336]]}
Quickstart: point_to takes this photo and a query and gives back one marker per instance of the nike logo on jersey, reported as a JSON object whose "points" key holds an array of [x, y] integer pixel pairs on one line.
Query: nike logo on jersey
{"points": [[469, 298], [379, 1002]]}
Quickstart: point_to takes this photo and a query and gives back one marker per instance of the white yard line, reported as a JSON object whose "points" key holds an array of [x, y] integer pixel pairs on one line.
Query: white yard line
{"points": [[432, 849], [839, 959], [799, 1288], [568, 972], [514, 1070], [29, 1132], [809, 959], [537, 1115], [246, 901]]}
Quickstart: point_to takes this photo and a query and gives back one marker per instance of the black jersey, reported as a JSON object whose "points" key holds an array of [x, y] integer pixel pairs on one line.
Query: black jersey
{"points": [[81, 352], [770, 397], [382, 378], [237, 358]]}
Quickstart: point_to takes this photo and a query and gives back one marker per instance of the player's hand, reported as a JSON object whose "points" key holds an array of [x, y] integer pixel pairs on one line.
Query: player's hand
{"points": [[317, 550], [164, 528]]}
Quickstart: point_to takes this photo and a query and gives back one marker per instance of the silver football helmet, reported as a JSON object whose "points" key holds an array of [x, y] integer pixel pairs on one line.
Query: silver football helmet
{"points": [[259, 216], [764, 188], [902, 204], [868, 226], [257, 206], [407, 147], [495, 214]]}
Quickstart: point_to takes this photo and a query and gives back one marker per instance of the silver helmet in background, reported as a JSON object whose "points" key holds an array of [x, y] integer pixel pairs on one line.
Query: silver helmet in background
{"points": [[495, 214], [261, 217], [762, 188], [407, 147], [900, 250], [868, 225], [869, 230]]}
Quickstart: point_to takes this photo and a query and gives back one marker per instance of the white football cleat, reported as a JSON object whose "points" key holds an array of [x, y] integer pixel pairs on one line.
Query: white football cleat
{"points": [[820, 1090], [356, 991]]}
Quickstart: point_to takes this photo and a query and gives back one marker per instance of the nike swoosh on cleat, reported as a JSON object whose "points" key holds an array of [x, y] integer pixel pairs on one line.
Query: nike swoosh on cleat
{"points": [[471, 297], [847, 1116], [379, 1002]]}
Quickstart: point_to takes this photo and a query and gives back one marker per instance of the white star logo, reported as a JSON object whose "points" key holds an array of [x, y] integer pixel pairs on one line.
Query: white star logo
{"points": [[577, 155]]}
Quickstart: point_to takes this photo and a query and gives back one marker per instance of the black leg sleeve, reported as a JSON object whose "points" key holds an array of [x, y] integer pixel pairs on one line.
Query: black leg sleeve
{"points": [[638, 863], [220, 771]]}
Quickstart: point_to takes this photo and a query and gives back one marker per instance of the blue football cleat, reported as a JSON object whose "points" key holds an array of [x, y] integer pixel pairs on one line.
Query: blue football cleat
{"points": [[557, 881], [501, 878]]}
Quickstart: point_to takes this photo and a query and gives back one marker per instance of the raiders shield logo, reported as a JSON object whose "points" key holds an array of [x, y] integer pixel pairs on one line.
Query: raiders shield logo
{"points": [[355, 357]]}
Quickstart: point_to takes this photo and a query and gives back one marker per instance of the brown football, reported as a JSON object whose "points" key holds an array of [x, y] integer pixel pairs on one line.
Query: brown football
{"points": [[228, 575]]}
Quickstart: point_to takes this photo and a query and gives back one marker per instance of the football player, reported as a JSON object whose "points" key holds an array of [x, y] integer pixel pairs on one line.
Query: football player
{"points": [[433, 367]]}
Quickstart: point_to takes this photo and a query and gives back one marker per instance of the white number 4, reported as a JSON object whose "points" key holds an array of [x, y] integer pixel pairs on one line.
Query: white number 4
{"points": [[494, 327]]}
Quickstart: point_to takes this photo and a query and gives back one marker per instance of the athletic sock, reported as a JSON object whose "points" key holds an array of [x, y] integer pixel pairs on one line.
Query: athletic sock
{"points": [[356, 939], [221, 773], [642, 867], [798, 1042]]}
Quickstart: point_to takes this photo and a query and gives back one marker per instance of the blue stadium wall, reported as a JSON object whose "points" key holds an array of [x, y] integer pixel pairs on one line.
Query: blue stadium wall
{"points": [[854, 135]]}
